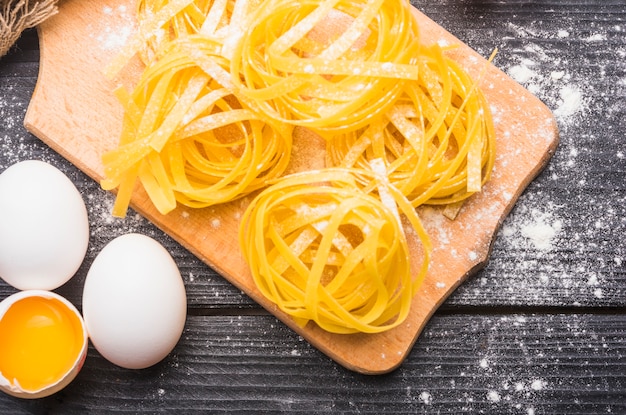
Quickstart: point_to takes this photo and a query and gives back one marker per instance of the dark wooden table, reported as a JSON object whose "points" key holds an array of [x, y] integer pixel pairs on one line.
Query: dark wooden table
{"points": [[541, 330]]}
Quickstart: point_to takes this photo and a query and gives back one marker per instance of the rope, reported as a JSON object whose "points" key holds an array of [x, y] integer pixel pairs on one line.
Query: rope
{"points": [[19, 15]]}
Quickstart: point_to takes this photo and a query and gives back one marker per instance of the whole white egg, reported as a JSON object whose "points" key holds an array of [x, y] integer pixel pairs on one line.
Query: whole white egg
{"points": [[44, 228], [134, 302]]}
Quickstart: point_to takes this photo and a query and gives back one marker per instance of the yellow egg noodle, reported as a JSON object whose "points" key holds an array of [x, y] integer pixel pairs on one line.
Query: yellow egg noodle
{"points": [[211, 118], [437, 139], [220, 20], [324, 249], [148, 28], [334, 64], [189, 140]]}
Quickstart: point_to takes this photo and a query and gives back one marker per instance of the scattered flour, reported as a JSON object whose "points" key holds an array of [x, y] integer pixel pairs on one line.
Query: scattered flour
{"points": [[426, 398], [521, 73], [597, 37], [538, 384], [493, 396], [216, 223], [571, 101], [541, 231], [561, 33], [540, 228], [113, 38], [545, 75]]}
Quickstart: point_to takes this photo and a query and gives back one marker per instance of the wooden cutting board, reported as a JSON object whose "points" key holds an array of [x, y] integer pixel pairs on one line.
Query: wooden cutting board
{"points": [[74, 112]]}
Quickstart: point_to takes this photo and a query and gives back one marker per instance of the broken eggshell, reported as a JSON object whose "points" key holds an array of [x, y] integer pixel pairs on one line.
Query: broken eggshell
{"points": [[29, 366]]}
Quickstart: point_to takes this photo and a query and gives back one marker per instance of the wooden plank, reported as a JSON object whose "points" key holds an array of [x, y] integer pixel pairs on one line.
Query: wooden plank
{"points": [[497, 363], [581, 356], [567, 55], [577, 272], [73, 111]]}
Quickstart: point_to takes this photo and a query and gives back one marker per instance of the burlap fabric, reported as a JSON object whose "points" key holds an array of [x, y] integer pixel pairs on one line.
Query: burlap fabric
{"points": [[19, 15]]}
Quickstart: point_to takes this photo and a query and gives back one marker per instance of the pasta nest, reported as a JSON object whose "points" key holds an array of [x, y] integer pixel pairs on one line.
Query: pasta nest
{"points": [[211, 120], [437, 140], [190, 140], [324, 247], [334, 65]]}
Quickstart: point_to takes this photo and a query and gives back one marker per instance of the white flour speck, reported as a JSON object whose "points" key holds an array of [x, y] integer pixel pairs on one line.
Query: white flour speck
{"points": [[538, 384], [426, 398], [521, 73], [571, 101], [557, 75], [596, 38], [540, 231], [493, 396]]}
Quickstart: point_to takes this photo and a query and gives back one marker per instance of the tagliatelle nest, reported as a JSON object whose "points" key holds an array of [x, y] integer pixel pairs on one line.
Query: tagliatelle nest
{"points": [[19, 15]]}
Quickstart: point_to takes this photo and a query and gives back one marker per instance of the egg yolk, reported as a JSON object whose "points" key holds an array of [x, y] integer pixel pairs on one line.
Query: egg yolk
{"points": [[40, 340]]}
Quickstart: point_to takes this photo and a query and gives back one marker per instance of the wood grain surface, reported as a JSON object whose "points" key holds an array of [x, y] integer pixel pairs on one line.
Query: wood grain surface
{"points": [[73, 110], [541, 329]]}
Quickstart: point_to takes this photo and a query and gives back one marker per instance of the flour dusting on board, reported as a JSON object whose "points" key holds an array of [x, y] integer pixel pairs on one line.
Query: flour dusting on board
{"points": [[113, 38]]}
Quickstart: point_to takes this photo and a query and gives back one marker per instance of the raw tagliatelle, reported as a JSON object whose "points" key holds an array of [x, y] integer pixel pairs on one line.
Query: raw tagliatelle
{"points": [[220, 20], [334, 64], [190, 140], [211, 119], [324, 247], [437, 139]]}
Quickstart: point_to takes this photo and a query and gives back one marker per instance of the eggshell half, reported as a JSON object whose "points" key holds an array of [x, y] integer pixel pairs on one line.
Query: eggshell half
{"points": [[11, 386], [134, 302]]}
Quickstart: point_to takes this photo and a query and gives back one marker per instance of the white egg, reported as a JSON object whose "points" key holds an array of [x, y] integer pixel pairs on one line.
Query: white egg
{"points": [[44, 228], [134, 302]]}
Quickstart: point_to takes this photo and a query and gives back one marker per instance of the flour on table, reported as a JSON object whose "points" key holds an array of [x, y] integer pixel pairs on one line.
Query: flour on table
{"points": [[571, 101], [541, 232], [521, 73], [546, 76], [562, 33], [538, 384], [539, 228], [493, 396], [426, 398], [596, 37]]}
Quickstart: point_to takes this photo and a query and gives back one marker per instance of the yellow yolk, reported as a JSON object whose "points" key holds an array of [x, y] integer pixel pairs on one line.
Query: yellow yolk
{"points": [[40, 340]]}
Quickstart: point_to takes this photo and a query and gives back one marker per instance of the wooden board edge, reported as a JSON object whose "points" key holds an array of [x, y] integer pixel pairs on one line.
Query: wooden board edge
{"points": [[321, 343]]}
